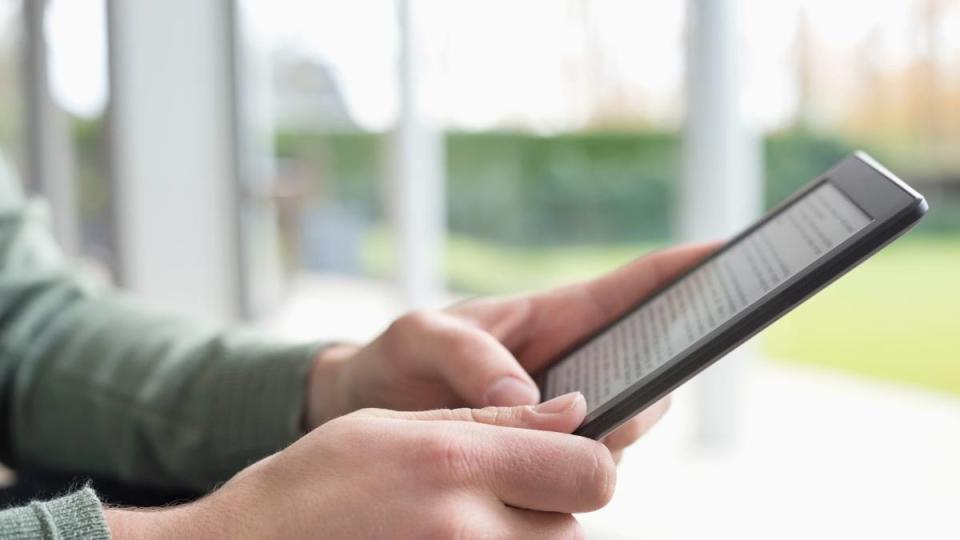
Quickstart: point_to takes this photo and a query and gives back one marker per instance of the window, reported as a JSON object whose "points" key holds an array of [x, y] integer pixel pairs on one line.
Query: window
{"points": [[11, 132]]}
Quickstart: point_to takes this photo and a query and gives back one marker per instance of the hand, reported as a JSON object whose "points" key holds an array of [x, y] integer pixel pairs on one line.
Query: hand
{"points": [[437, 474], [481, 352]]}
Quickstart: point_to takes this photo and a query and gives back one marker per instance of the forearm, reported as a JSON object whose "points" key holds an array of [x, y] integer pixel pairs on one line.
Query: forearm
{"points": [[230, 512], [92, 384], [162, 523], [105, 389]]}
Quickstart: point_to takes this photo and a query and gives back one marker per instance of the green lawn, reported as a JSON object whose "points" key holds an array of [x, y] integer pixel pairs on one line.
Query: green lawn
{"points": [[896, 317], [485, 268], [481, 267]]}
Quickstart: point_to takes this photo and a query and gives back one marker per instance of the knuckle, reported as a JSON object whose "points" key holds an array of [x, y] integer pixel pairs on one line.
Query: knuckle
{"points": [[463, 414], [359, 415], [449, 457], [349, 432], [352, 429], [337, 427], [414, 322], [492, 415], [463, 341]]}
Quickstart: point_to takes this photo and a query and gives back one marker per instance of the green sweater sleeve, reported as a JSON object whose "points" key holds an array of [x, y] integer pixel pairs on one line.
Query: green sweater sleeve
{"points": [[74, 517], [89, 383]]}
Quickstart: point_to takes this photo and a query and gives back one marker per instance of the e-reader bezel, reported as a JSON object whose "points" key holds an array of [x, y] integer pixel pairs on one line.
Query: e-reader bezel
{"points": [[891, 204]]}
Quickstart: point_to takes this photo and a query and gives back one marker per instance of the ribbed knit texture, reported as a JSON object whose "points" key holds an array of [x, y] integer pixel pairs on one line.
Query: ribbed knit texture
{"points": [[76, 516]]}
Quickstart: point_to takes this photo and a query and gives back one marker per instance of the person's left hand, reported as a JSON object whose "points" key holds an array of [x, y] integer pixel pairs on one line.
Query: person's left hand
{"points": [[480, 353]]}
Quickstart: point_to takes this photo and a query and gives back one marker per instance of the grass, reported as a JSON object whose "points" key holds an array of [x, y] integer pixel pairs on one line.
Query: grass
{"points": [[482, 267], [896, 317]]}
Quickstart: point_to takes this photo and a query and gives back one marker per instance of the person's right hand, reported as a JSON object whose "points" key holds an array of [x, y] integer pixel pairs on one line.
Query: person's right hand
{"points": [[466, 473]]}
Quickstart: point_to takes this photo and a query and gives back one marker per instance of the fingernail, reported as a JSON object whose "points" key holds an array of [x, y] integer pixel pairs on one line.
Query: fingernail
{"points": [[559, 404], [511, 391]]}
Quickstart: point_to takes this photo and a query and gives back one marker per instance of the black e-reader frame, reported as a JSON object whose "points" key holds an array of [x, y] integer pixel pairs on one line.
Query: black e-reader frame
{"points": [[893, 208]]}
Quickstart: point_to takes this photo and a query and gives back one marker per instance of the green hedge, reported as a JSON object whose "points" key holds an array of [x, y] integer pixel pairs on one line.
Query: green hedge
{"points": [[565, 189], [524, 189]]}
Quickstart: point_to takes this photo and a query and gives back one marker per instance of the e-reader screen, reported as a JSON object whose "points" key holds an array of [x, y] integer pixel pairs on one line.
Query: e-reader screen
{"points": [[663, 328]]}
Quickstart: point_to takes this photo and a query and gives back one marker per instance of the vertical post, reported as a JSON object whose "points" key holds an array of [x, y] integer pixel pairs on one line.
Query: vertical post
{"points": [[721, 190], [417, 178], [259, 279], [173, 152], [49, 154]]}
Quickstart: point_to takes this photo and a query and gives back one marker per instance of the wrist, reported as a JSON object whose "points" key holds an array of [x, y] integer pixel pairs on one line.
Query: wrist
{"points": [[125, 524], [149, 524], [206, 518], [326, 393]]}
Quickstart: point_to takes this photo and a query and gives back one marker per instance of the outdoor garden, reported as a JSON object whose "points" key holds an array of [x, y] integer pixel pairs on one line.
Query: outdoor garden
{"points": [[528, 211]]}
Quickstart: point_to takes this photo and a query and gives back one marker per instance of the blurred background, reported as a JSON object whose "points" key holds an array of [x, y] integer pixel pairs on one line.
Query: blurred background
{"points": [[315, 168]]}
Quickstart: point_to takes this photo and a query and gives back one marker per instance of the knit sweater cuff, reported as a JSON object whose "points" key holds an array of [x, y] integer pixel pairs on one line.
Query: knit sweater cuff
{"points": [[257, 403], [75, 516]]}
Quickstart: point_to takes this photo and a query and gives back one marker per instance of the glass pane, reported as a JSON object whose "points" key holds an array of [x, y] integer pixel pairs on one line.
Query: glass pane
{"points": [[562, 135], [330, 75], [889, 84], [11, 105], [77, 70], [11, 137]]}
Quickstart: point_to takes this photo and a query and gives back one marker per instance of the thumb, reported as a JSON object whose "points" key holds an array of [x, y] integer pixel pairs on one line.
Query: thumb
{"points": [[561, 414], [478, 368]]}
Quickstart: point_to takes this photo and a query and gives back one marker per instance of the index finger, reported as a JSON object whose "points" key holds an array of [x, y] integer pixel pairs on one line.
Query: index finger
{"points": [[502, 452], [539, 470], [587, 306], [618, 291]]}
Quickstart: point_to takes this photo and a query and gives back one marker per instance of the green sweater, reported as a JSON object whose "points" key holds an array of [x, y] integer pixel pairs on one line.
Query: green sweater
{"points": [[91, 384]]}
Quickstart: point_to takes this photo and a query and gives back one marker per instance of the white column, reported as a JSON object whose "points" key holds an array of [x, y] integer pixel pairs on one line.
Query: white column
{"points": [[722, 189], [417, 179], [172, 153], [49, 151], [260, 273]]}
